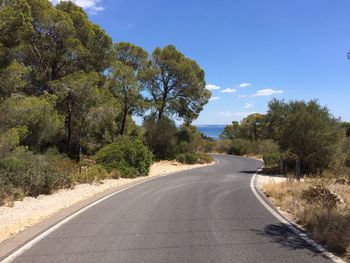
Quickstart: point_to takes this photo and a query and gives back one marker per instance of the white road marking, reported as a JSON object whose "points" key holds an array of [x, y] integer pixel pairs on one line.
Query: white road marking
{"points": [[290, 225], [49, 231]]}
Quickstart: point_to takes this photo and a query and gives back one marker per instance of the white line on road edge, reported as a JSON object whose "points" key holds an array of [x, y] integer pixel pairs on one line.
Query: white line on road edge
{"points": [[34, 241], [290, 225], [57, 226]]}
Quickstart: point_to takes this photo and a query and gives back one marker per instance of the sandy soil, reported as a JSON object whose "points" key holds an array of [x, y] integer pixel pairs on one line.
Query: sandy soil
{"points": [[31, 211], [265, 179], [268, 179]]}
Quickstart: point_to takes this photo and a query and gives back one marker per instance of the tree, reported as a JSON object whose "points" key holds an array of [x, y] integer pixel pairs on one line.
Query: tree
{"points": [[37, 114], [123, 79], [253, 127], [176, 84], [77, 95], [12, 80], [346, 127], [231, 132], [15, 22], [160, 136], [309, 132], [61, 41]]}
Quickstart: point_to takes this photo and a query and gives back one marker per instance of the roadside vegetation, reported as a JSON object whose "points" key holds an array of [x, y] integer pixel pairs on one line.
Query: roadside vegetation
{"points": [[303, 141], [68, 94]]}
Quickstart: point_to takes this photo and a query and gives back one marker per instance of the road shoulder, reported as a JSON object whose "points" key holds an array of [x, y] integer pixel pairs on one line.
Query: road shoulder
{"points": [[45, 221]]}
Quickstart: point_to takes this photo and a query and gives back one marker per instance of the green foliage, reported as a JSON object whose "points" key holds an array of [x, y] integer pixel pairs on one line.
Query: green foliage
{"points": [[124, 81], [346, 127], [187, 158], [10, 139], [160, 137], [231, 132], [271, 158], [12, 79], [29, 174], [176, 84], [239, 147], [309, 132], [77, 95], [189, 139], [194, 158], [92, 174], [15, 22], [129, 156], [253, 127], [63, 84], [37, 114]]}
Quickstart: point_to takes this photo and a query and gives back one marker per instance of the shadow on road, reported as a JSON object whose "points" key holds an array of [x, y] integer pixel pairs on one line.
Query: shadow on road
{"points": [[284, 237], [247, 172]]}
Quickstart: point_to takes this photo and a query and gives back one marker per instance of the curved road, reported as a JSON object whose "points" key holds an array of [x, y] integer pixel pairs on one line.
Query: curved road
{"points": [[203, 215]]}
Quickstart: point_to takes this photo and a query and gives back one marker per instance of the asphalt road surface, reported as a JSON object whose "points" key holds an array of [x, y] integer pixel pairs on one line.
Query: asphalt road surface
{"points": [[204, 215]]}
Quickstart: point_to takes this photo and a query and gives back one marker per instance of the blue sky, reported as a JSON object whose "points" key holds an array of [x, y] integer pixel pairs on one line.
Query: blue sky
{"points": [[290, 49]]}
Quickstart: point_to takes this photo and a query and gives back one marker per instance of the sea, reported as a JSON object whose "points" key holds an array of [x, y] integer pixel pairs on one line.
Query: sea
{"points": [[212, 131]]}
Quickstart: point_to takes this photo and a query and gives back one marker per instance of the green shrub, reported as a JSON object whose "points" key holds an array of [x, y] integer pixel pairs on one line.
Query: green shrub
{"points": [[271, 158], [194, 158], [221, 146], [24, 173], [239, 147], [187, 158], [127, 155], [204, 158], [91, 174], [161, 137]]}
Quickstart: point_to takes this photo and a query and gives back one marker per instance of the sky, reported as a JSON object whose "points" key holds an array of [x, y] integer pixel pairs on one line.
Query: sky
{"points": [[250, 50]]}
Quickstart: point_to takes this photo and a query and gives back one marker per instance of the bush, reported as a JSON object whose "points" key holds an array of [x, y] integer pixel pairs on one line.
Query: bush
{"points": [[194, 158], [239, 147], [321, 196], [23, 173], [187, 158], [329, 227], [129, 156], [221, 146], [204, 158], [160, 137], [91, 174], [271, 159]]}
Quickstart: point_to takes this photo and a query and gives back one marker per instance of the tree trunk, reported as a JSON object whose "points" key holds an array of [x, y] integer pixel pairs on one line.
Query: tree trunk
{"points": [[282, 166], [69, 127], [298, 169], [125, 115]]}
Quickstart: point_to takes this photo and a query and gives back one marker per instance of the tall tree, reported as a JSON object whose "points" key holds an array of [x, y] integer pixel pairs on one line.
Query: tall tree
{"points": [[62, 41], [77, 95], [176, 84], [309, 132], [37, 114], [124, 79], [253, 127], [231, 131]]}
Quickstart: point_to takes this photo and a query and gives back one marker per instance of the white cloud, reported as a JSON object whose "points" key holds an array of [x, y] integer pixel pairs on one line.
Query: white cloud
{"points": [[242, 96], [267, 92], [226, 114], [212, 87], [243, 113], [249, 106], [214, 98], [245, 85], [92, 6], [229, 90]]}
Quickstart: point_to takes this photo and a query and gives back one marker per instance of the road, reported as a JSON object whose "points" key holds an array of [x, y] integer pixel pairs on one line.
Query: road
{"points": [[203, 215]]}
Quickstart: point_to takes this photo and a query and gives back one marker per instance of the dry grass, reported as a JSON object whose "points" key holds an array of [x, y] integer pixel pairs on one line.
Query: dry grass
{"points": [[328, 224]]}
